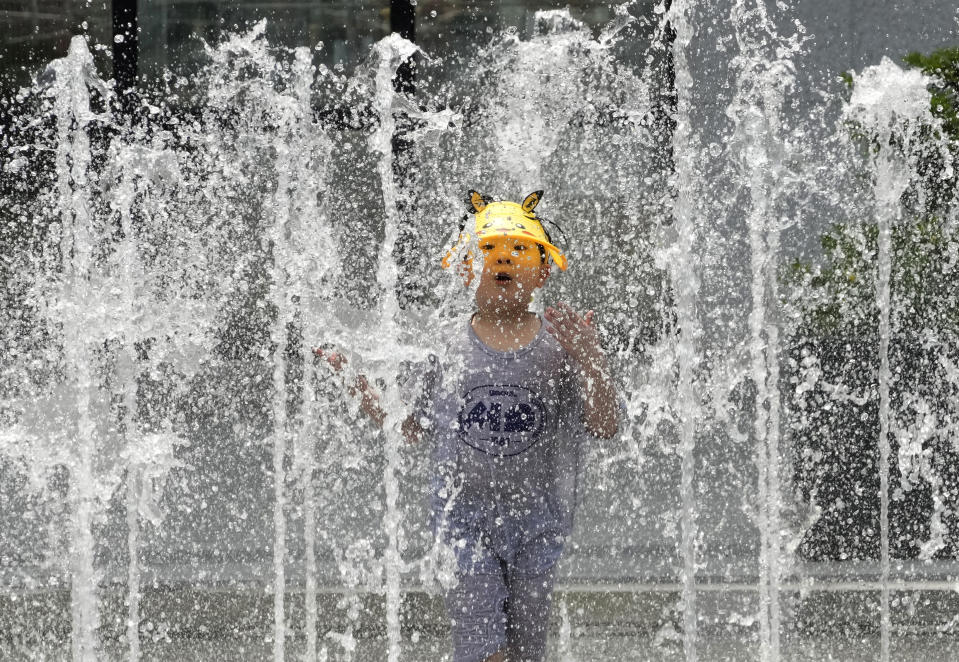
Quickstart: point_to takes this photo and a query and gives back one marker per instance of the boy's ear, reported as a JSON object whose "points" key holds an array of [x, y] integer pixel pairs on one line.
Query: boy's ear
{"points": [[529, 204], [478, 201]]}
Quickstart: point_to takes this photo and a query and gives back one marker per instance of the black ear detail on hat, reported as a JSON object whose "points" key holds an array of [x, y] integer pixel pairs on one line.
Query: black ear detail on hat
{"points": [[529, 204], [557, 226], [477, 201]]}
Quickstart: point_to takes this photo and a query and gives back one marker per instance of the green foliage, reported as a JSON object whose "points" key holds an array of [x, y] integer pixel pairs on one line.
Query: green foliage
{"points": [[847, 78], [834, 349], [925, 276], [943, 66], [924, 245]]}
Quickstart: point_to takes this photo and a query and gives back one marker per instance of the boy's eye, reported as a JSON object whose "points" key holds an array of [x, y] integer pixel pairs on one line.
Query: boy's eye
{"points": [[487, 247]]}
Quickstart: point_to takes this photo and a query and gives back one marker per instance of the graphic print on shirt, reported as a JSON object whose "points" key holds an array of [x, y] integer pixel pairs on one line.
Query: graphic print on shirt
{"points": [[501, 419]]}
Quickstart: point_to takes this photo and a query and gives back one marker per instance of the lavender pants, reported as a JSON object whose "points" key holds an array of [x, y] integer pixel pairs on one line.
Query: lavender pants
{"points": [[502, 598]]}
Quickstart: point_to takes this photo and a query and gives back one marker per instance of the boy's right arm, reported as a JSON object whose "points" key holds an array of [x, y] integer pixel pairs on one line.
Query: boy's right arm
{"points": [[369, 400], [412, 430]]}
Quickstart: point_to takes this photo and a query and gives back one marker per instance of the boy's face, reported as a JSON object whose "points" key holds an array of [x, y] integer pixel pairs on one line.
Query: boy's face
{"points": [[512, 269]]}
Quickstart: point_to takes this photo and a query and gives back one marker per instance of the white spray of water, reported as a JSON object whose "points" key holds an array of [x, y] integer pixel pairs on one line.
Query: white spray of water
{"points": [[148, 457], [686, 285], [915, 462], [565, 633], [540, 86], [765, 246], [891, 104], [297, 232], [101, 302], [72, 109], [391, 52], [760, 149], [128, 260], [301, 259], [525, 120], [310, 270]]}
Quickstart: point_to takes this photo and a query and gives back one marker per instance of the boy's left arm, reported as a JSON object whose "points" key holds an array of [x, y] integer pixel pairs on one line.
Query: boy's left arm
{"points": [[577, 335]]}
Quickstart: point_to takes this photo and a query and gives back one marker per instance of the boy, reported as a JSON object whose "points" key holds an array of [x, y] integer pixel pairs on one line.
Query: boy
{"points": [[508, 409]]}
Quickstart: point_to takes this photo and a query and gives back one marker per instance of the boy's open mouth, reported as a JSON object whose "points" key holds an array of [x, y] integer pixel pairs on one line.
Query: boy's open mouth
{"points": [[503, 277]]}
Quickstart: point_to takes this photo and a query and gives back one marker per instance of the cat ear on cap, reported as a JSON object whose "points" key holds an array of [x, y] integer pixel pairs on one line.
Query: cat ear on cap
{"points": [[529, 204], [478, 201]]}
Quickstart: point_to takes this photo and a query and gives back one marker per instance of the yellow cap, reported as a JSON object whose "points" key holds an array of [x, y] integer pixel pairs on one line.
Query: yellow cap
{"points": [[507, 219]]}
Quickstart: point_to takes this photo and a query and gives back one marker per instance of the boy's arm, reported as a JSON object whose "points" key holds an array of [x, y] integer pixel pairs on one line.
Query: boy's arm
{"points": [[369, 399], [578, 337], [412, 430]]}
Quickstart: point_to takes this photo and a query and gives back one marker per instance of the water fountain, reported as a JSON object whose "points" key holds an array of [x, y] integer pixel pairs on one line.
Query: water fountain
{"points": [[892, 105], [185, 260]]}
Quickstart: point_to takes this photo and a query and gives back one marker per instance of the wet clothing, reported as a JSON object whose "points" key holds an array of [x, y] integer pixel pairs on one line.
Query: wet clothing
{"points": [[508, 438], [503, 608]]}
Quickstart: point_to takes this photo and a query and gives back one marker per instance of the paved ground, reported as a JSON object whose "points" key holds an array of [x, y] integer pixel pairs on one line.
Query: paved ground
{"points": [[596, 646], [588, 626]]}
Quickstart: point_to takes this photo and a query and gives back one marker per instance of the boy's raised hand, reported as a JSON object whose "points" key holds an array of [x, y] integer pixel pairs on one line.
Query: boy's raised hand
{"points": [[578, 337], [576, 334], [369, 401], [336, 360]]}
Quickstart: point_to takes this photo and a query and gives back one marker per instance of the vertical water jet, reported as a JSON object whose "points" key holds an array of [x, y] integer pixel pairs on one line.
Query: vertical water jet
{"points": [[127, 360], [756, 111], [73, 114], [890, 106], [294, 234], [391, 52], [686, 285]]}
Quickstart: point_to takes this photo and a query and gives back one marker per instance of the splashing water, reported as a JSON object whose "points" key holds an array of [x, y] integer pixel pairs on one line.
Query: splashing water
{"points": [[892, 105], [186, 260]]}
